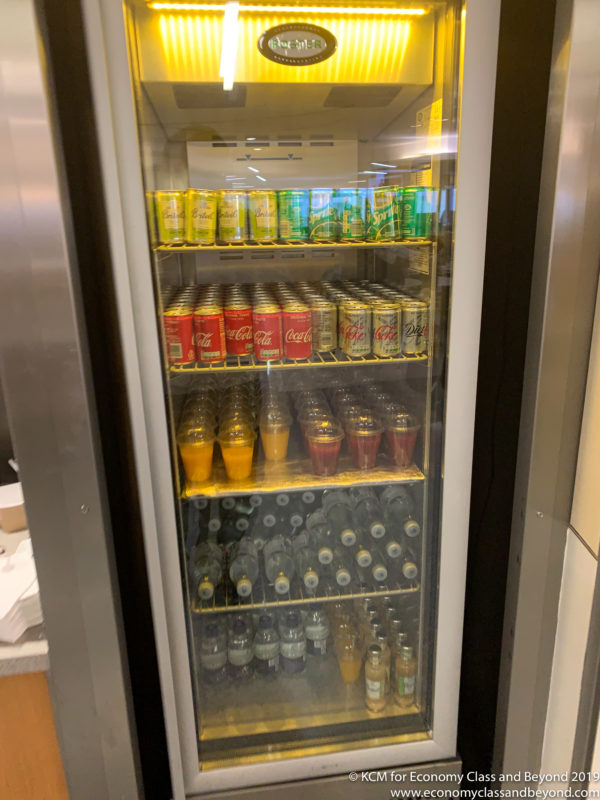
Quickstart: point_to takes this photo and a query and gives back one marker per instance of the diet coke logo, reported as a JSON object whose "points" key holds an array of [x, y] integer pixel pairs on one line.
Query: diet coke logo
{"points": [[386, 333], [263, 337], [354, 333], [240, 334], [297, 337]]}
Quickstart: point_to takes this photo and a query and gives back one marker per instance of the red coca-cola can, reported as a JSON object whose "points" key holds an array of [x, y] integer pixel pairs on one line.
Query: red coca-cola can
{"points": [[179, 334], [297, 331], [238, 328], [209, 327], [268, 340]]}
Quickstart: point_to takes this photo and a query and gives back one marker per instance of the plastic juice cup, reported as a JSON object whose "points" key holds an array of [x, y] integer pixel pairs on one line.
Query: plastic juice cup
{"points": [[275, 425], [196, 446], [364, 436], [324, 441], [401, 431], [237, 446]]}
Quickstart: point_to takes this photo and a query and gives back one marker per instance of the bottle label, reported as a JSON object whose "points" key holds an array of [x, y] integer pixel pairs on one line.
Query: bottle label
{"points": [[293, 649], [375, 689], [241, 656], [316, 647], [212, 661], [267, 652], [406, 684]]}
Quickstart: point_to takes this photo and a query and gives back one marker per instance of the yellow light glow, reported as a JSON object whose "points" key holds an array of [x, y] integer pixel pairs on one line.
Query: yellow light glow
{"points": [[396, 12], [229, 45]]}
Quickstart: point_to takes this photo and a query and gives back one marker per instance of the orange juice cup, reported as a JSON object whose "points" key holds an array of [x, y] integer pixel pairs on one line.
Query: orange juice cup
{"points": [[275, 425], [196, 446], [237, 447]]}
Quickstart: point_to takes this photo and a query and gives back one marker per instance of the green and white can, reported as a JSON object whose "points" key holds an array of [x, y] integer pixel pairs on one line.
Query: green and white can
{"points": [[232, 216], [352, 213], [201, 217], [381, 225], [170, 216], [292, 207], [398, 209], [262, 213], [323, 219], [418, 207]]}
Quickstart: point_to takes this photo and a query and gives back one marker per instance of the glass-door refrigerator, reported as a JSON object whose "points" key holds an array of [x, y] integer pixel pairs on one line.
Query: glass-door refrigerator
{"points": [[296, 200]]}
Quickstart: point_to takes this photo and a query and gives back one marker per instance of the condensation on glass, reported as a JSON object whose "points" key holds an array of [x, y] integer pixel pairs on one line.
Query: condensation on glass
{"points": [[300, 175]]}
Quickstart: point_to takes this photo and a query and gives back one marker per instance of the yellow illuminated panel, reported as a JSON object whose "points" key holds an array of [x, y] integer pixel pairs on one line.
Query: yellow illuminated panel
{"points": [[399, 12], [370, 50]]}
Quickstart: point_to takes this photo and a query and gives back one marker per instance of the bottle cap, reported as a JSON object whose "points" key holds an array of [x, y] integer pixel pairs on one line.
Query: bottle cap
{"points": [[401, 639], [282, 584], [363, 557], [296, 520], [406, 653], [228, 503], [377, 530], [242, 524], [205, 589], [381, 637], [214, 524], [269, 520], [311, 579], [380, 572], [343, 577], [308, 497], [375, 654], [393, 549], [282, 500], [348, 537], [325, 555], [412, 528], [255, 500], [244, 587], [409, 570], [265, 621]]}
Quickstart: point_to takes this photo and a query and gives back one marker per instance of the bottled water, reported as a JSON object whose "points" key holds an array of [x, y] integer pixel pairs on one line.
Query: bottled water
{"points": [[391, 546], [213, 653], [369, 513], [244, 566], [266, 646], [206, 569], [307, 562], [239, 650], [362, 551], [399, 508], [410, 569], [279, 564], [342, 566], [316, 518], [323, 544], [316, 629], [293, 644], [338, 508], [378, 567]]}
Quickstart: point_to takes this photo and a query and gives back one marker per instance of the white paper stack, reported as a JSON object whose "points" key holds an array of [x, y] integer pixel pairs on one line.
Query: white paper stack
{"points": [[19, 593]]}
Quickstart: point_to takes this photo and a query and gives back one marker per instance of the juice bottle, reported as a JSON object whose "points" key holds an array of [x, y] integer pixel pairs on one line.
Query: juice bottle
{"points": [[349, 657], [375, 679], [405, 671]]}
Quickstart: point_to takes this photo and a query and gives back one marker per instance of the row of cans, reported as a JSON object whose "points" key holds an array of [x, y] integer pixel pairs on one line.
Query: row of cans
{"points": [[210, 322], [203, 217]]}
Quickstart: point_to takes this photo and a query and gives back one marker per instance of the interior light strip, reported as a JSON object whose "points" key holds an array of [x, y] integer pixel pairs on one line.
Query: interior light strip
{"points": [[396, 12]]}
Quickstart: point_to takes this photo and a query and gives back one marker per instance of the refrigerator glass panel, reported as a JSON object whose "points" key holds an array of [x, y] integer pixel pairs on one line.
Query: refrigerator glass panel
{"points": [[299, 167]]}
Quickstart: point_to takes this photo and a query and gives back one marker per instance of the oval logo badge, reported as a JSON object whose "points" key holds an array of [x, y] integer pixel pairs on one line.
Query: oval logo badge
{"points": [[297, 44]]}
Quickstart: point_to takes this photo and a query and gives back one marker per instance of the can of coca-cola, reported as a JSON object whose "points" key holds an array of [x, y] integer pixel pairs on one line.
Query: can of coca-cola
{"points": [[324, 324], [355, 328], [209, 327], [386, 329], [238, 327], [297, 330], [266, 321], [179, 333]]}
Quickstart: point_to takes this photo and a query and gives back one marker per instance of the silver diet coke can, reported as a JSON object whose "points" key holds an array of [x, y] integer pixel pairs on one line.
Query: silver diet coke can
{"points": [[415, 327], [355, 328], [386, 329]]}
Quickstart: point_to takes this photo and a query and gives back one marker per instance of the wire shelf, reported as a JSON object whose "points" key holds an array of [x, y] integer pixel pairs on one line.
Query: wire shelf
{"points": [[225, 247], [264, 596], [327, 359]]}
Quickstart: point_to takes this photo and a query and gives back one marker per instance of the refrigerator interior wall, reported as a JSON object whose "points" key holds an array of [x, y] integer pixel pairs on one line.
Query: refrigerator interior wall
{"points": [[300, 553]]}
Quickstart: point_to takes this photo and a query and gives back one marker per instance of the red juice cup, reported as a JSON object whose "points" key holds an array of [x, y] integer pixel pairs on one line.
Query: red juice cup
{"points": [[401, 431], [324, 441], [364, 436], [308, 415]]}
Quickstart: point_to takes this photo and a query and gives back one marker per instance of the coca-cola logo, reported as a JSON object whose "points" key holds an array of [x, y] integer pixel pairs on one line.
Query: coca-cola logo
{"points": [[263, 337], [298, 336], [386, 333], [240, 334], [203, 339], [354, 333]]}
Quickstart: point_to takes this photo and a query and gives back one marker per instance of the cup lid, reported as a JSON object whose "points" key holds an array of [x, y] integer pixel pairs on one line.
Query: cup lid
{"points": [[236, 432], [325, 430], [401, 420], [196, 433], [365, 424], [275, 417]]}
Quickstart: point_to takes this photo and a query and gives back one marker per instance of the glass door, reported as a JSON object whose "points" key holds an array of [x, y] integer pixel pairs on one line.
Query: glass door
{"points": [[299, 168]]}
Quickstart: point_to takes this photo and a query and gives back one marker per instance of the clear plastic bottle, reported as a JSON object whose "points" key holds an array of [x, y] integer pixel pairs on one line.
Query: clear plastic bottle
{"points": [[307, 561], [244, 567], [338, 508], [316, 518], [292, 645], [213, 653], [240, 651], [342, 566], [386, 655], [362, 551], [266, 647], [405, 673], [316, 628], [368, 512], [391, 546], [375, 679], [206, 569], [399, 508], [410, 568], [279, 564], [261, 533], [324, 544], [378, 567]]}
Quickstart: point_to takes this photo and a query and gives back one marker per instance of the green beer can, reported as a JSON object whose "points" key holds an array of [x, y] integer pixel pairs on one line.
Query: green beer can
{"points": [[292, 207], [232, 216], [381, 225], [418, 207], [323, 220], [262, 213], [170, 216], [201, 217], [351, 208]]}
